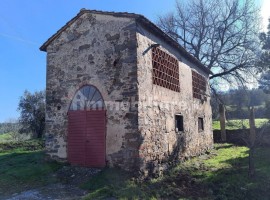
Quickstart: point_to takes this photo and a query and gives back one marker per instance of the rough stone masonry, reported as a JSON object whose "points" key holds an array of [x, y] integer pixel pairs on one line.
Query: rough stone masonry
{"points": [[112, 51]]}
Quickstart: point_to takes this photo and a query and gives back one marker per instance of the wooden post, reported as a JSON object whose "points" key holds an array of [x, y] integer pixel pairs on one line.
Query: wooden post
{"points": [[222, 120], [252, 135], [252, 140]]}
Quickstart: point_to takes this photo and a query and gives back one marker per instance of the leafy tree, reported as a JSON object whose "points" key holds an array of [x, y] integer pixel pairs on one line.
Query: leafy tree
{"points": [[238, 101], [265, 82], [32, 116], [265, 61], [240, 98], [222, 34], [265, 37], [267, 109], [256, 97]]}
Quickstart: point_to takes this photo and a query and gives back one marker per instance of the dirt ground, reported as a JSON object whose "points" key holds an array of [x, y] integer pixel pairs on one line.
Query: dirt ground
{"points": [[53, 192]]}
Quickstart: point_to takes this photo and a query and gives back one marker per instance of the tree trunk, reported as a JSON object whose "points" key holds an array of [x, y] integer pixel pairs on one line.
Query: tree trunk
{"points": [[251, 167], [252, 140], [39, 132], [222, 120]]}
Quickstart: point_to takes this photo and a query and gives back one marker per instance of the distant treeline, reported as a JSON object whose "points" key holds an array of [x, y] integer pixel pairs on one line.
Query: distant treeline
{"points": [[238, 101], [9, 127]]}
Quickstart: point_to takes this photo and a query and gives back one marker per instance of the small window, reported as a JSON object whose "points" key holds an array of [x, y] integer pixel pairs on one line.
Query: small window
{"points": [[200, 124], [179, 124]]}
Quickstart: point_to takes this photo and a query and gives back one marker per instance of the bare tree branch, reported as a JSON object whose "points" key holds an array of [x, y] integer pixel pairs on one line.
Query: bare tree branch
{"points": [[222, 34]]}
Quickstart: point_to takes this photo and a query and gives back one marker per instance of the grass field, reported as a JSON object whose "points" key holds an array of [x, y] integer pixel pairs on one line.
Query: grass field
{"points": [[220, 175], [22, 166], [239, 124]]}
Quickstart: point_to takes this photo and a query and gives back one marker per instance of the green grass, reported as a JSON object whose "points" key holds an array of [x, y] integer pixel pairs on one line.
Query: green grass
{"points": [[219, 174], [113, 182], [239, 124], [22, 166], [223, 174], [5, 137]]}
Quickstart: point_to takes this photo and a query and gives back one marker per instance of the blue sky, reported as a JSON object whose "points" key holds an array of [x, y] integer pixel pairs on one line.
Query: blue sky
{"points": [[26, 24]]}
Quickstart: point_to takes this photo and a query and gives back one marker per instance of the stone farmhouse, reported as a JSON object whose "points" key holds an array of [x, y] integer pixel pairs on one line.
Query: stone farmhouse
{"points": [[122, 93]]}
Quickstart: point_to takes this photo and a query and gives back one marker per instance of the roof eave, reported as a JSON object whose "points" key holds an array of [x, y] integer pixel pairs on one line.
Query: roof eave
{"points": [[140, 18], [83, 11], [152, 27], [54, 36]]}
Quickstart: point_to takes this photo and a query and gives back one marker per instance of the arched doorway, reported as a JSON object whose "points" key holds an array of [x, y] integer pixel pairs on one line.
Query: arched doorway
{"points": [[86, 128]]}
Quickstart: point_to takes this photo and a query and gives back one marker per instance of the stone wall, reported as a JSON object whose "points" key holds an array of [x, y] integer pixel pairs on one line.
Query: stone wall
{"points": [[99, 50], [158, 106], [107, 51], [239, 136]]}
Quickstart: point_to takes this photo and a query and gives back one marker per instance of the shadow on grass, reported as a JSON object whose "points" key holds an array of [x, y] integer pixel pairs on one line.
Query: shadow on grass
{"points": [[224, 176], [233, 182], [224, 146], [114, 183]]}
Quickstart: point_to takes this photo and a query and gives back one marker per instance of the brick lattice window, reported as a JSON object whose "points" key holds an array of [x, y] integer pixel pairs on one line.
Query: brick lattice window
{"points": [[198, 85], [165, 70]]}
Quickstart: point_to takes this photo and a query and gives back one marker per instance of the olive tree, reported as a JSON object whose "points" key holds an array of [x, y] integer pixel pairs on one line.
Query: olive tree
{"points": [[32, 113], [265, 60]]}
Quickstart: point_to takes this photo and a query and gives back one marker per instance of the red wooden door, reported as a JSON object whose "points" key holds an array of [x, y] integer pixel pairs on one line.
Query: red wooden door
{"points": [[95, 138], [76, 137], [86, 138]]}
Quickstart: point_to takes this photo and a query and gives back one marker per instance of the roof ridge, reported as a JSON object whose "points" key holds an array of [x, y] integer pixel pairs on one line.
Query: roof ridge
{"points": [[138, 17], [83, 11], [109, 12]]}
